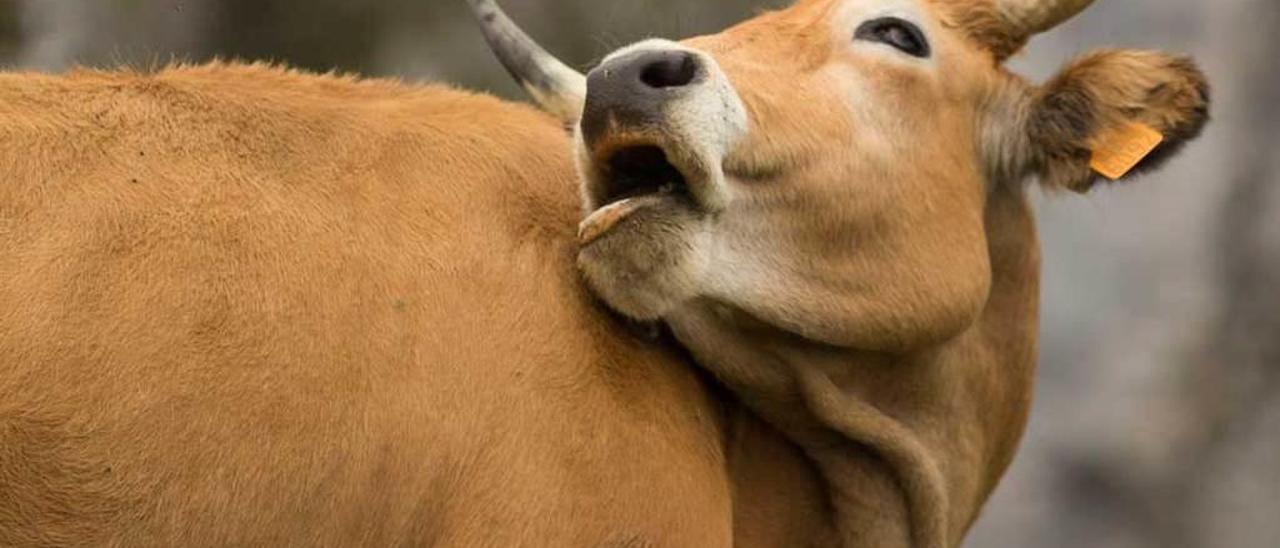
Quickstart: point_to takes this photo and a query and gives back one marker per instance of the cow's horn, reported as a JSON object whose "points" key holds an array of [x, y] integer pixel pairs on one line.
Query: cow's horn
{"points": [[1030, 17], [558, 88]]}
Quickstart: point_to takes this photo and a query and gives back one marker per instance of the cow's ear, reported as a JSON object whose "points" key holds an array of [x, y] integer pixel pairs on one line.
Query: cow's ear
{"points": [[1113, 114]]}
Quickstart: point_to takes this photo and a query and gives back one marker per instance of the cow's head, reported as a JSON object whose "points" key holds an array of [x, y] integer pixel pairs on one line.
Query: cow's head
{"points": [[825, 168], [826, 205]]}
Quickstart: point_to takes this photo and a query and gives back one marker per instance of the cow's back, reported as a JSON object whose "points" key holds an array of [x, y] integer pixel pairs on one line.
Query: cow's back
{"points": [[243, 306]]}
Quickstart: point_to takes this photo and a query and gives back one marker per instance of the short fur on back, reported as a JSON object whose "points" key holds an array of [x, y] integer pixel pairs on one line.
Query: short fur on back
{"points": [[241, 305]]}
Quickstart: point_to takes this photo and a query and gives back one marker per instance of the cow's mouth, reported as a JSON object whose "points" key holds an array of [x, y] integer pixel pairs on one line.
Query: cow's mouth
{"points": [[633, 178], [640, 170]]}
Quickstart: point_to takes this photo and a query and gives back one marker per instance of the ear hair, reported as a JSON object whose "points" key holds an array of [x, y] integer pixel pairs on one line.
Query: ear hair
{"points": [[1102, 92]]}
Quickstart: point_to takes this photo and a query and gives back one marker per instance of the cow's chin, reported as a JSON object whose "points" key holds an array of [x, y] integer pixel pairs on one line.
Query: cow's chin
{"points": [[651, 260]]}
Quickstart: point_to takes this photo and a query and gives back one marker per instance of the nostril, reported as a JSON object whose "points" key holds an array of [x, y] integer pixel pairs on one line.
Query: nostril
{"points": [[670, 70]]}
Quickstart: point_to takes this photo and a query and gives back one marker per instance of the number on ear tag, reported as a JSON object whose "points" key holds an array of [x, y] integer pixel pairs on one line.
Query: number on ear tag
{"points": [[1122, 149]]}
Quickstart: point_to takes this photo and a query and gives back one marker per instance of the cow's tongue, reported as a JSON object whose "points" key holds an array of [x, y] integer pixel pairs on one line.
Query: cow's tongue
{"points": [[604, 219]]}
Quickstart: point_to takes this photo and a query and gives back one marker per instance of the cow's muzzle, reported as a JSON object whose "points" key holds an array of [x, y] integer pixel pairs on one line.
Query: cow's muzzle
{"points": [[658, 121]]}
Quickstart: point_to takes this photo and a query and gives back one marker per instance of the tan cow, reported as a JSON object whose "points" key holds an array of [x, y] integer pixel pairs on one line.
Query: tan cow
{"points": [[244, 306], [827, 206]]}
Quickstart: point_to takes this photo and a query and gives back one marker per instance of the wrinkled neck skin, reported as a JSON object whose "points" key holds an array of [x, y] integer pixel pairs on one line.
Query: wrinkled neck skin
{"points": [[907, 445]]}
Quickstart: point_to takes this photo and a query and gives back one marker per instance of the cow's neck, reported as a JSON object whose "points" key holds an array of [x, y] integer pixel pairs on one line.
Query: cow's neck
{"points": [[908, 445]]}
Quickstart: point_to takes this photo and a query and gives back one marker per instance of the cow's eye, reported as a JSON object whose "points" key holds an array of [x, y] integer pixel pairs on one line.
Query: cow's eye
{"points": [[898, 33]]}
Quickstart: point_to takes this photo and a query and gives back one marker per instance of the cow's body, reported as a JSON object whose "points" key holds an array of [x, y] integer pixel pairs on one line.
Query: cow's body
{"points": [[247, 307]]}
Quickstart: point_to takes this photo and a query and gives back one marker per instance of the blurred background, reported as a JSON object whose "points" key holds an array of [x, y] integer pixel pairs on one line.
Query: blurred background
{"points": [[1157, 418]]}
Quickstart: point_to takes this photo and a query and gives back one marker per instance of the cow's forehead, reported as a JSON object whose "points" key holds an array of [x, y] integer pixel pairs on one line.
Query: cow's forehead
{"points": [[877, 7], [805, 32], [956, 14], [945, 9], [980, 21], [827, 7]]}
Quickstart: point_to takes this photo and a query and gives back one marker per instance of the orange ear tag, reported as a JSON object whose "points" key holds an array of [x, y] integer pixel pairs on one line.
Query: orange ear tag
{"points": [[1121, 149]]}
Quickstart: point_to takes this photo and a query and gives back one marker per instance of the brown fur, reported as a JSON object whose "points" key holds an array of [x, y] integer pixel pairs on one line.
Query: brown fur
{"points": [[871, 287], [980, 21], [245, 306], [1105, 90]]}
